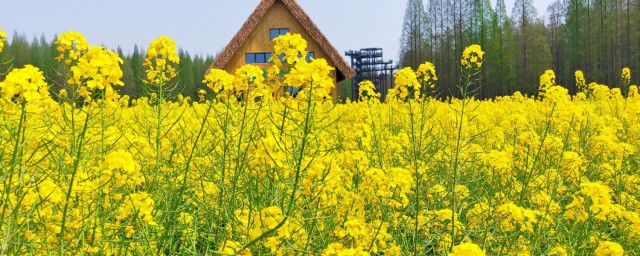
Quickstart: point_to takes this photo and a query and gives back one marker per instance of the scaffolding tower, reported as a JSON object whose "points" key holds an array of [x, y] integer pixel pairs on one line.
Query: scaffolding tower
{"points": [[369, 65]]}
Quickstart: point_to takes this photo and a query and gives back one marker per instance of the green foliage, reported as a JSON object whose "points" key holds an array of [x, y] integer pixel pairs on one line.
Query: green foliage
{"points": [[41, 53], [598, 37]]}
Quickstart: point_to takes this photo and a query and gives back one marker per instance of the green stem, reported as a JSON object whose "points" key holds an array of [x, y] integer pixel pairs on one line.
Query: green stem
{"points": [[416, 203], [76, 163], [159, 128], [297, 177], [186, 172], [464, 90], [13, 162]]}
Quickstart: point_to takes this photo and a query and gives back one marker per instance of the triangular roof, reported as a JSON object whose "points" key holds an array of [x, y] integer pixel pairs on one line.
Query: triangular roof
{"points": [[296, 10]]}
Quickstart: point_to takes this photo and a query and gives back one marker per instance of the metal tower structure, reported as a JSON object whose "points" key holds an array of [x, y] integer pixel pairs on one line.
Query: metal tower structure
{"points": [[369, 65]]}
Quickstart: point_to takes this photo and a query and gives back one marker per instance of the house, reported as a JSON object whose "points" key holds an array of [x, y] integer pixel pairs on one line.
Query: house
{"points": [[253, 43]]}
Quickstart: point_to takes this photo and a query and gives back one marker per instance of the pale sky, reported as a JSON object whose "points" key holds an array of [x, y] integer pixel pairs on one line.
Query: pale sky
{"points": [[205, 27]]}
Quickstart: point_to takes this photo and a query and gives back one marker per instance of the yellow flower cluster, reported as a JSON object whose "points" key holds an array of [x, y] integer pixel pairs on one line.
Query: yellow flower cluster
{"points": [[93, 68], [472, 57], [558, 251], [253, 224], [219, 81], [609, 249], [427, 75], [367, 90], [626, 76], [467, 249], [98, 68], [292, 48], [406, 83], [581, 82], [26, 83], [547, 81], [140, 205], [313, 77], [119, 166], [513, 217], [161, 56], [3, 38], [71, 45]]}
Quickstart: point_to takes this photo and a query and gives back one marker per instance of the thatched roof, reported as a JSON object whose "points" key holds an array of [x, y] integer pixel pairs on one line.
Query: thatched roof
{"points": [[344, 71]]}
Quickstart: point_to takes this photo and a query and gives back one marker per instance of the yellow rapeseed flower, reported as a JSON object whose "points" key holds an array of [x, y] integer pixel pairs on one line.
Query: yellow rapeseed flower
{"points": [[472, 57], [558, 251], [599, 193], [3, 38], [292, 48], [233, 248], [581, 82], [367, 90], [406, 82], [71, 45], [337, 249], [626, 76], [219, 80], [139, 204], [185, 218], [120, 159], [314, 76], [27, 83], [427, 74], [547, 80], [557, 94], [609, 249], [98, 69], [129, 231], [513, 216], [467, 249], [161, 55]]}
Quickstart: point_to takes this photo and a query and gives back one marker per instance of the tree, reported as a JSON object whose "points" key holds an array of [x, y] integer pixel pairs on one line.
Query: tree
{"points": [[127, 74], [20, 49], [556, 14], [187, 76], [415, 35], [523, 16], [137, 72], [500, 76], [482, 13]]}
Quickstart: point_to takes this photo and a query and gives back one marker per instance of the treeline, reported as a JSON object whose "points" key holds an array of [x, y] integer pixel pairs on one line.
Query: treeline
{"points": [[41, 53], [599, 37]]}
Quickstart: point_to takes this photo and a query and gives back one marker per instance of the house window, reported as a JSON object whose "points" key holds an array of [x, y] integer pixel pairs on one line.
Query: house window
{"points": [[293, 91], [250, 58], [263, 57], [276, 32], [260, 58], [311, 55], [257, 58]]}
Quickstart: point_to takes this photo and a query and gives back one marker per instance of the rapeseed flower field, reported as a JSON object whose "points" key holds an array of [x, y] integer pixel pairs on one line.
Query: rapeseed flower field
{"points": [[247, 169]]}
